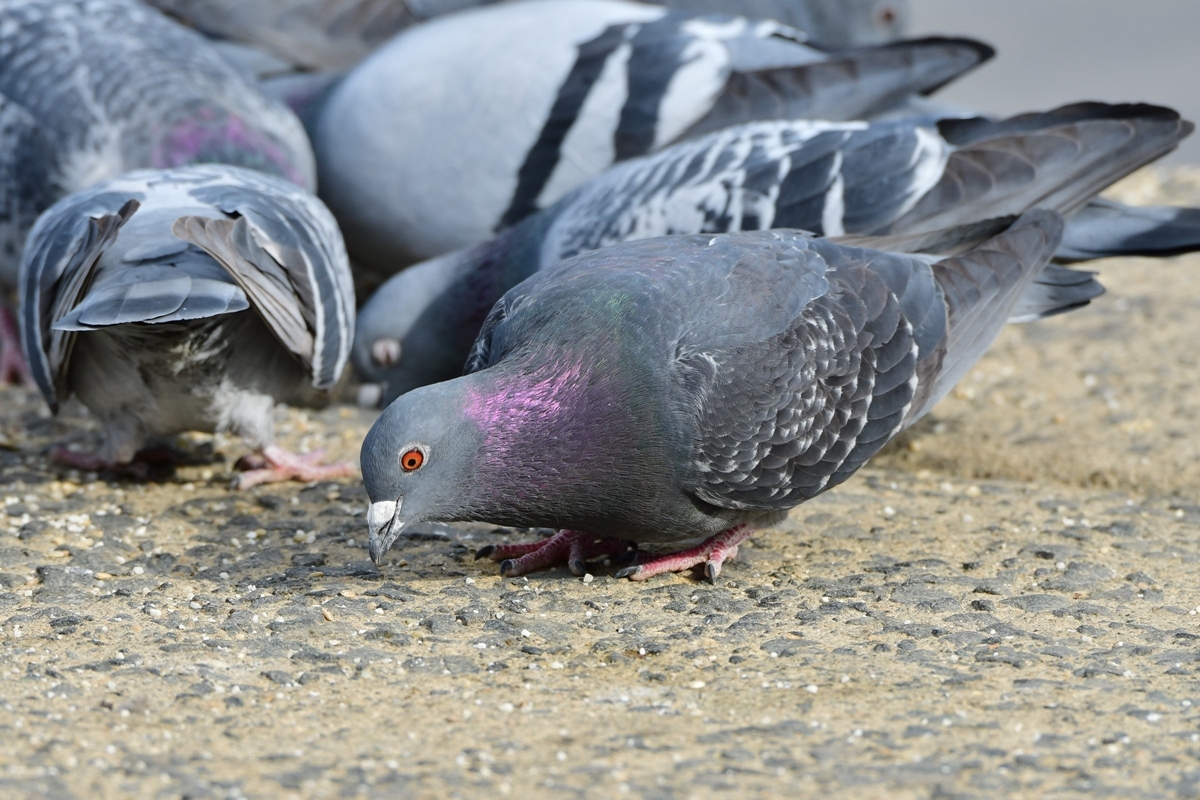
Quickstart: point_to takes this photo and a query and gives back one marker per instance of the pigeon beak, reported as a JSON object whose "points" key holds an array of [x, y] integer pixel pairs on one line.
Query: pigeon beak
{"points": [[383, 527]]}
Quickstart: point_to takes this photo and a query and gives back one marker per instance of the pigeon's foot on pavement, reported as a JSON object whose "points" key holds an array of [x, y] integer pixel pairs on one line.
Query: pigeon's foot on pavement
{"points": [[276, 464], [573, 548], [712, 553], [13, 367], [146, 463]]}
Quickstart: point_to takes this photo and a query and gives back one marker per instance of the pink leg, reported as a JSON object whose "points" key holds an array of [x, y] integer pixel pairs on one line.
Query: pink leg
{"points": [[275, 464], [573, 547], [13, 368], [712, 553]]}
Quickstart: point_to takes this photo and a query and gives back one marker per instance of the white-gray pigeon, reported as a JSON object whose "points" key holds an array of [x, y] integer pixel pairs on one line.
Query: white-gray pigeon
{"points": [[472, 121], [193, 298], [90, 89], [897, 176], [668, 389]]}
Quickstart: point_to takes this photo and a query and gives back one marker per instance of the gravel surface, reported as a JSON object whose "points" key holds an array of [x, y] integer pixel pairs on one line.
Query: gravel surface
{"points": [[1003, 602]]}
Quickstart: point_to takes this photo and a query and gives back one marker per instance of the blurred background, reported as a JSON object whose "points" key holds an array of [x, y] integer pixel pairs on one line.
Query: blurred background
{"points": [[1054, 51]]}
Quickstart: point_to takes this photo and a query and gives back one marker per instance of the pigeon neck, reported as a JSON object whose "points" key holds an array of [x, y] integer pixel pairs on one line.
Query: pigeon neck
{"points": [[552, 441]]}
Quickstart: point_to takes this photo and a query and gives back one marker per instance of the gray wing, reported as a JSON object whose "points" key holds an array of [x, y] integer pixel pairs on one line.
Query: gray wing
{"points": [[785, 414], [983, 288], [800, 400], [819, 177], [1058, 159], [1104, 228], [284, 250], [687, 75], [57, 270], [848, 85]]}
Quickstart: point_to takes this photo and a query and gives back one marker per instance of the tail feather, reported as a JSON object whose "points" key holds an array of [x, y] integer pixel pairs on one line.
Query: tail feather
{"points": [[1104, 228], [982, 288], [1056, 160]]}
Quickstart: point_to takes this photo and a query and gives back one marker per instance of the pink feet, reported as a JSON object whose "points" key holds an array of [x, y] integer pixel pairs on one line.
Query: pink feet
{"points": [[275, 464], [712, 553], [573, 547], [13, 368]]}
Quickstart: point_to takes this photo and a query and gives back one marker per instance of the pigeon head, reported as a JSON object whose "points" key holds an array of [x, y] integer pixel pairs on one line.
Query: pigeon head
{"points": [[552, 440], [412, 332], [413, 458]]}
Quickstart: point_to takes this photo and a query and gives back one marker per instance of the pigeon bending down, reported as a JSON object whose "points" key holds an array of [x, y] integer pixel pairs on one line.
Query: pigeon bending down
{"points": [[466, 124], [193, 298], [699, 386], [897, 176], [90, 89]]}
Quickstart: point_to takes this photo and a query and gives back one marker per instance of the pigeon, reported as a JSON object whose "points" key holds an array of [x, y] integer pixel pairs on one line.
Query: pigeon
{"points": [[466, 124], [663, 390], [896, 176], [91, 89], [183, 299]]}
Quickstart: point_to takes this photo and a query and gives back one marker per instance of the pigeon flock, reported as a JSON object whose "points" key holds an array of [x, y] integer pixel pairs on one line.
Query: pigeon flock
{"points": [[638, 272]]}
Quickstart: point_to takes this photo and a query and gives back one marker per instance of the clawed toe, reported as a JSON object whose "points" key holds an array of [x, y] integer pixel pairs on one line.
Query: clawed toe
{"points": [[572, 548], [278, 465], [711, 553]]}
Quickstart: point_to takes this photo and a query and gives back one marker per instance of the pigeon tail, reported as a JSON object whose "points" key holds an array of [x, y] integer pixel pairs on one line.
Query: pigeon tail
{"points": [[1105, 229]]}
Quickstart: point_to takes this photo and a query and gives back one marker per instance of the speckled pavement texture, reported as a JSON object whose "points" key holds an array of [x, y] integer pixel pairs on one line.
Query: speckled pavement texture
{"points": [[1003, 603]]}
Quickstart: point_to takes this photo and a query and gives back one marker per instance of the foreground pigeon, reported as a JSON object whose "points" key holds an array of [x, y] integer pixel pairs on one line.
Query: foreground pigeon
{"points": [[193, 298], [467, 124], [90, 89], [829, 178], [696, 386]]}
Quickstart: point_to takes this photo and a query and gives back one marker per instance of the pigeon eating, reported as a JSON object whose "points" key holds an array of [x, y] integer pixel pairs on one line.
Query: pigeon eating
{"points": [[688, 387], [893, 176], [193, 298]]}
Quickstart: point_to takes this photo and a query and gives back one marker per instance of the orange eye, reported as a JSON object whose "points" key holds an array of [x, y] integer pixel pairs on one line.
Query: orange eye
{"points": [[412, 460]]}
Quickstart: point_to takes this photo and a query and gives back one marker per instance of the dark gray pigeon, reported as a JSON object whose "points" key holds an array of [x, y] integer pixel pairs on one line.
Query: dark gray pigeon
{"points": [[696, 386], [899, 176], [466, 124], [193, 298], [90, 89]]}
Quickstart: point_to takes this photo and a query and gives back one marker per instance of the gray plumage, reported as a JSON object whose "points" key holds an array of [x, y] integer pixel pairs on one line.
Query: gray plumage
{"points": [[186, 299], [896, 176], [90, 89], [829, 23], [337, 34], [313, 34], [472, 121], [670, 388], [1105, 228]]}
